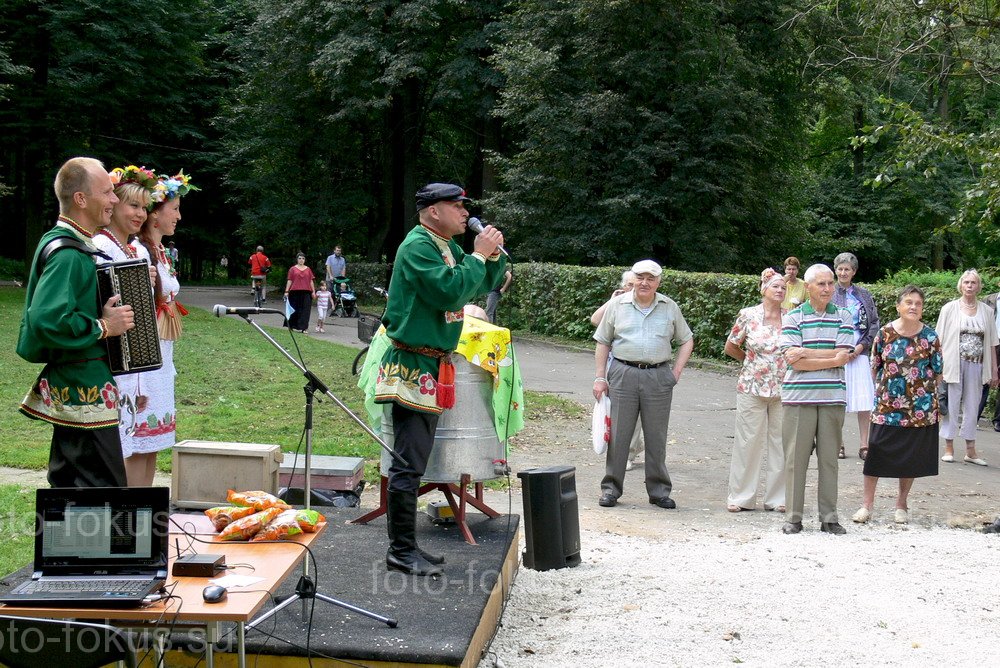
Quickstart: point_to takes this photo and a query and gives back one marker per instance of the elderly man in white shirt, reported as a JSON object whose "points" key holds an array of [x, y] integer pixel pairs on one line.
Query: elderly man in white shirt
{"points": [[640, 328]]}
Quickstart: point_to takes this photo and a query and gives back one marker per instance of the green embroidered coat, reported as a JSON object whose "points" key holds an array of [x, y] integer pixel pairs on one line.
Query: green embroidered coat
{"points": [[432, 280], [59, 328]]}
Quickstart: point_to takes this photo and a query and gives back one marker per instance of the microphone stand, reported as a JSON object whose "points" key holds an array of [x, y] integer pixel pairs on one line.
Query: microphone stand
{"points": [[306, 589]]}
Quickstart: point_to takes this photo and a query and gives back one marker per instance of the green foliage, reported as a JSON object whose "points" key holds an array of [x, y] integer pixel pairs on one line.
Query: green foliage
{"points": [[346, 108], [124, 84], [712, 136], [924, 146], [12, 270], [559, 300], [908, 106], [366, 275], [945, 280], [644, 129]]}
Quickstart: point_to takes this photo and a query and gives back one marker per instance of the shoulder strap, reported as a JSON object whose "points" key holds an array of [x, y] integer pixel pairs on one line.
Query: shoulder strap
{"points": [[59, 243]]}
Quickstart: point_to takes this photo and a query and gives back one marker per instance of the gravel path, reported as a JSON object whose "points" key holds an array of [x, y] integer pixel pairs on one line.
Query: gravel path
{"points": [[879, 596]]}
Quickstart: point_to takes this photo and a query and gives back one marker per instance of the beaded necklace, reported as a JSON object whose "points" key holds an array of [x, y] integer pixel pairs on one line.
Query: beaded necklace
{"points": [[72, 223], [125, 248]]}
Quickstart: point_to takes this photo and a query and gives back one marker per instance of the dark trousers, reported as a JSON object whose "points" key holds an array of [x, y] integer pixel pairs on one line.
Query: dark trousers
{"points": [[644, 395], [301, 301], [413, 432], [86, 458]]}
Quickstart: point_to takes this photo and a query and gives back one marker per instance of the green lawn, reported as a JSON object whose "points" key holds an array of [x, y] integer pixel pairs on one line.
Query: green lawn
{"points": [[16, 548]]}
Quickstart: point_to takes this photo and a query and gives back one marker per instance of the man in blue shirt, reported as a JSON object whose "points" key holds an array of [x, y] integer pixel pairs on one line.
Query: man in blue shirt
{"points": [[336, 266]]}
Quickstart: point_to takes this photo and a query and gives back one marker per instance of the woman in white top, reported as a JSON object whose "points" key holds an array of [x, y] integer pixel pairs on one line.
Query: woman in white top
{"points": [[157, 424], [133, 188], [968, 335]]}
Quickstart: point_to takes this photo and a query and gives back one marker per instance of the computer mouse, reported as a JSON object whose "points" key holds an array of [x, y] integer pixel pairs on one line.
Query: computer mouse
{"points": [[214, 594]]}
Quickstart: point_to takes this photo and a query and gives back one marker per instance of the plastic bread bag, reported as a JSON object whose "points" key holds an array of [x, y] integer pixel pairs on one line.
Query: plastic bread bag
{"points": [[257, 499], [601, 424], [223, 516], [248, 527], [308, 519], [281, 527]]}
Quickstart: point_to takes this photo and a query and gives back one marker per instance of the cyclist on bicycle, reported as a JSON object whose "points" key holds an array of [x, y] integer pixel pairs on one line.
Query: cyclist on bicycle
{"points": [[260, 264]]}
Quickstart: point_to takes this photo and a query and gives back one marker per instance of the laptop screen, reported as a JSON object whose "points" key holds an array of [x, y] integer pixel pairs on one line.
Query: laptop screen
{"points": [[101, 531]]}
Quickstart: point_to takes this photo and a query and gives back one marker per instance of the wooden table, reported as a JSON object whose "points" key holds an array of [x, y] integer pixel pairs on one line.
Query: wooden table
{"points": [[271, 561]]}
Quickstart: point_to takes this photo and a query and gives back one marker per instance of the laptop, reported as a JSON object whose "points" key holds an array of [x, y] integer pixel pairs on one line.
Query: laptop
{"points": [[97, 547]]}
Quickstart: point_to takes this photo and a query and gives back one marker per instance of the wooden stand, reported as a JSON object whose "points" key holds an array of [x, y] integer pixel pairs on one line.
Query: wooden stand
{"points": [[450, 490]]}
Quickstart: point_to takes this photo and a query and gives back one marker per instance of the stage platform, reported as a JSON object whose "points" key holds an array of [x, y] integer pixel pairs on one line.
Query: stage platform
{"points": [[444, 621]]}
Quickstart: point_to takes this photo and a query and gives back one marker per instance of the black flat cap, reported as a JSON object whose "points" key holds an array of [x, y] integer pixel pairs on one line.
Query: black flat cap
{"points": [[439, 192]]}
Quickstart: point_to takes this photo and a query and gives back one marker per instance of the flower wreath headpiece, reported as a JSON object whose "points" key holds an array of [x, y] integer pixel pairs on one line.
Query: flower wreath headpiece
{"points": [[139, 175], [169, 187]]}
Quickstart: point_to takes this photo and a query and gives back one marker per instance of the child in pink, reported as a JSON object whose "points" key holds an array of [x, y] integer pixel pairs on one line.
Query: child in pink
{"points": [[323, 298]]}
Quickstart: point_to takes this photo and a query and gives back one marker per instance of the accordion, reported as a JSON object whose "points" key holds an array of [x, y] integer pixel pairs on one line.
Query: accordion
{"points": [[138, 349]]}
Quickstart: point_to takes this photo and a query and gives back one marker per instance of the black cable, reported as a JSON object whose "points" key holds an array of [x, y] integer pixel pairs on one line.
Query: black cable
{"points": [[146, 143], [232, 566], [314, 651], [315, 580], [156, 624]]}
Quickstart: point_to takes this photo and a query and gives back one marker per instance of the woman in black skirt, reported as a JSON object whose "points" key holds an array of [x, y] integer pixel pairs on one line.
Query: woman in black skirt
{"points": [[903, 441]]}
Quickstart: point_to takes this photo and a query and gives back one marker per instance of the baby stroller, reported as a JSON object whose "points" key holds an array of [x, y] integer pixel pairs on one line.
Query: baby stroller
{"points": [[344, 300]]}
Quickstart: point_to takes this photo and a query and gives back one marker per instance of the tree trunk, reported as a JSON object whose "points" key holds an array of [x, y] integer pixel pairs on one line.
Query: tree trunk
{"points": [[36, 165], [406, 137], [859, 150]]}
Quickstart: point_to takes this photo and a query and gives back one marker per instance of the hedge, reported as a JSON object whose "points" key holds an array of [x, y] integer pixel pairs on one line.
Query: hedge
{"points": [[557, 300]]}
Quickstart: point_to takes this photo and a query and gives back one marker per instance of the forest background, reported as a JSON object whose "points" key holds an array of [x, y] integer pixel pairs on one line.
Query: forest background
{"points": [[713, 136]]}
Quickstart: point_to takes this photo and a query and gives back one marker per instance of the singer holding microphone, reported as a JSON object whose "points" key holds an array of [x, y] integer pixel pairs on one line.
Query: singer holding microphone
{"points": [[432, 281]]}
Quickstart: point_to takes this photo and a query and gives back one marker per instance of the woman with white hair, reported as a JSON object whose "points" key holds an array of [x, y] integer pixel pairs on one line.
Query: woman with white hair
{"points": [[864, 317], [754, 341], [637, 444], [968, 335]]}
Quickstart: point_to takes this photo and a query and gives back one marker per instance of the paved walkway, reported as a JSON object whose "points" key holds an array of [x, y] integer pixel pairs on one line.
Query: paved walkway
{"points": [[700, 442]]}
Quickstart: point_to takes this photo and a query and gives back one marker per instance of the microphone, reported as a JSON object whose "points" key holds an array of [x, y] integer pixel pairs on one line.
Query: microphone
{"points": [[476, 226], [219, 310]]}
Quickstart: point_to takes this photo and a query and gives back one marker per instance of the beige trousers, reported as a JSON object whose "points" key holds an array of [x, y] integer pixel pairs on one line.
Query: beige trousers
{"points": [[802, 427], [758, 431]]}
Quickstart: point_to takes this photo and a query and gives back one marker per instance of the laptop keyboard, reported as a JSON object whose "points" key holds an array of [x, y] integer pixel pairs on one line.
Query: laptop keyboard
{"points": [[121, 587]]}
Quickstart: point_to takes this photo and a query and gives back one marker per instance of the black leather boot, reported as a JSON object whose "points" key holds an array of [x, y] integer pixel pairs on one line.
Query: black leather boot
{"points": [[403, 554], [435, 559]]}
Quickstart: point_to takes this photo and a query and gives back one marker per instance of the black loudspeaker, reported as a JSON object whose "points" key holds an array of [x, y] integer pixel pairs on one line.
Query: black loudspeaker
{"points": [[551, 518]]}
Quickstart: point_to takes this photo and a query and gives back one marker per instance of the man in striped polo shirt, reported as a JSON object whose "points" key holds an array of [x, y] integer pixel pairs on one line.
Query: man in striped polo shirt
{"points": [[816, 339]]}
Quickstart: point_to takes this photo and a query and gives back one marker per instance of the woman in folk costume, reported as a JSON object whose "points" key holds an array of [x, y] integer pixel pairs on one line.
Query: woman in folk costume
{"points": [[156, 425], [134, 189]]}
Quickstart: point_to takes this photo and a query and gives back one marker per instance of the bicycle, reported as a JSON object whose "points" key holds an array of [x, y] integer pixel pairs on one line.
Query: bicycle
{"points": [[259, 295], [368, 324]]}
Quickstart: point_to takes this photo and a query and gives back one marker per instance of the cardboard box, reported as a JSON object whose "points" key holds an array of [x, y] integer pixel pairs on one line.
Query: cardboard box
{"points": [[328, 472], [204, 470]]}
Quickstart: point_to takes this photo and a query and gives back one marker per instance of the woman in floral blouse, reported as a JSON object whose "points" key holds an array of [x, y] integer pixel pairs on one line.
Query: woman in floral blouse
{"points": [[754, 341], [903, 442]]}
